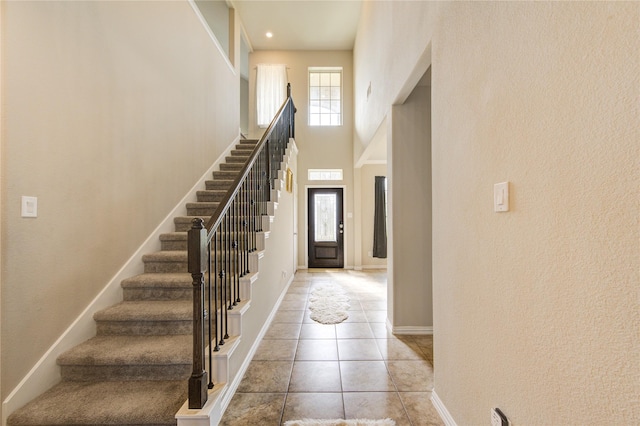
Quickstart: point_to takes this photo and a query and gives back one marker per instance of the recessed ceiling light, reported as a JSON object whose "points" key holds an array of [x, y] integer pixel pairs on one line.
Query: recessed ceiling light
{"points": [[269, 34]]}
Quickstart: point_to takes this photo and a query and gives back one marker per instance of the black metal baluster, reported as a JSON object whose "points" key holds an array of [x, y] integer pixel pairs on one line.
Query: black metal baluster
{"points": [[215, 291], [223, 305], [236, 238]]}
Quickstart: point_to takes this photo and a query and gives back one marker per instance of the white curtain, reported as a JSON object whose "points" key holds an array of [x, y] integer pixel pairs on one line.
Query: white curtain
{"points": [[271, 88]]}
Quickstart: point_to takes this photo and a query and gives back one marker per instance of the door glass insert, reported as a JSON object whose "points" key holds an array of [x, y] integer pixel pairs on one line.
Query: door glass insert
{"points": [[325, 211]]}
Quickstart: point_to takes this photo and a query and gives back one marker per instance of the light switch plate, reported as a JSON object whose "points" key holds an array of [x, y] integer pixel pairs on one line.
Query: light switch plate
{"points": [[29, 206], [501, 197]]}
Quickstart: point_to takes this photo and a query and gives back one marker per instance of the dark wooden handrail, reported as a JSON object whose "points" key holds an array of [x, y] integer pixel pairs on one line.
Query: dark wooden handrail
{"points": [[218, 252]]}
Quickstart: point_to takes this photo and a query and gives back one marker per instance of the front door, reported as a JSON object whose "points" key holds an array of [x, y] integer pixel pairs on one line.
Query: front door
{"points": [[326, 228]]}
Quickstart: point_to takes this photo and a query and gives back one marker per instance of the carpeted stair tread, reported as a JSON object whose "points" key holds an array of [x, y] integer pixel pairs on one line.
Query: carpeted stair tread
{"points": [[176, 279], [105, 403], [130, 350], [147, 310]]}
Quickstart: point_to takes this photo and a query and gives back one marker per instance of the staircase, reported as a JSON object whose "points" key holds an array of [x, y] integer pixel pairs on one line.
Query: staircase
{"points": [[135, 370]]}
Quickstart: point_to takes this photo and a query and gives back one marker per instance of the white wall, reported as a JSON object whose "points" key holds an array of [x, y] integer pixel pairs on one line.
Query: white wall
{"points": [[111, 112], [536, 311], [320, 147]]}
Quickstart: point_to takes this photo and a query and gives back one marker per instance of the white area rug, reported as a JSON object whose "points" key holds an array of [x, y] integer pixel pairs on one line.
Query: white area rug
{"points": [[329, 305], [340, 422]]}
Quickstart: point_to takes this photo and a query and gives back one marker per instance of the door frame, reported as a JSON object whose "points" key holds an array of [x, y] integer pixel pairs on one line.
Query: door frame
{"points": [[306, 221]]}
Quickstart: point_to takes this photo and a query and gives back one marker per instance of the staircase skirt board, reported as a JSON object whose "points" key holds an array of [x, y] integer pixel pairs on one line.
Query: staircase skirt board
{"points": [[141, 355]]}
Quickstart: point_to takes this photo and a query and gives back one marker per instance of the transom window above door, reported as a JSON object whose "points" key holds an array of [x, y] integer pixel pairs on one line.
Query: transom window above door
{"points": [[325, 96]]}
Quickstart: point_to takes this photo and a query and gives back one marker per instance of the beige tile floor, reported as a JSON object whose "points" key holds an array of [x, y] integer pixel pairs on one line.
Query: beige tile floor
{"points": [[355, 369]]}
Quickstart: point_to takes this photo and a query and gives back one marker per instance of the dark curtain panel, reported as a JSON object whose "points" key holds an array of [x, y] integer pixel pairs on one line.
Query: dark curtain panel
{"points": [[380, 219]]}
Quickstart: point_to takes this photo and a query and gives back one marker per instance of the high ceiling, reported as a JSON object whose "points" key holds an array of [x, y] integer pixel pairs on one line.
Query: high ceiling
{"points": [[300, 24]]}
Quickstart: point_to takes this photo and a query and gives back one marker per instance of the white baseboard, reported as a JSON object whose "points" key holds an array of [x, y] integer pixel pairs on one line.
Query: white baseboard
{"points": [[442, 410], [420, 330], [46, 373]]}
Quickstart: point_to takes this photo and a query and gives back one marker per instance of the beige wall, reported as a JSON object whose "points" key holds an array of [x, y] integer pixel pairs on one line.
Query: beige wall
{"points": [[111, 112], [536, 311], [410, 277], [320, 147]]}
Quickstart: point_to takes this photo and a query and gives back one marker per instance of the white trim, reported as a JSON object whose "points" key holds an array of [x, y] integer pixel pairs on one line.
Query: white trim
{"points": [[369, 267], [306, 223], [442, 410], [212, 36], [418, 330], [46, 373]]}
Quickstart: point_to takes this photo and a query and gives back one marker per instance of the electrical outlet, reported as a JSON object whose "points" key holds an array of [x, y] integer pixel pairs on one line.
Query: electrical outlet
{"points": [[498, 418]]}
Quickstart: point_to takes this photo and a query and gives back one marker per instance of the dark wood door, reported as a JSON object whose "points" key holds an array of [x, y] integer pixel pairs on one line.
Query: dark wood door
{"points": [[326, 228]]}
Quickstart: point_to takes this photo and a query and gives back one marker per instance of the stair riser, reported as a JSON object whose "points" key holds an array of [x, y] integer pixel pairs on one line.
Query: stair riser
{"points": [[158, 294], [234, 167], [211, 196], [218, 184], [225, 175], [182, 244], [200, 211], [236, 159], [241, 153], [185, 225], [137, 328], [246, 146], [110, 373], [174, 245], [161, 267]]}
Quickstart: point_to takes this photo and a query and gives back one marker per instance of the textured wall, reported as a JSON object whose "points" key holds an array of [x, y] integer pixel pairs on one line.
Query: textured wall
{"points": [[537, 310], [410, 277], [111, 112]]}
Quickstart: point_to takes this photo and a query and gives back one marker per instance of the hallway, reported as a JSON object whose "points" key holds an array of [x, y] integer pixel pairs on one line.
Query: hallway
{"points": [[356, 369]]}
